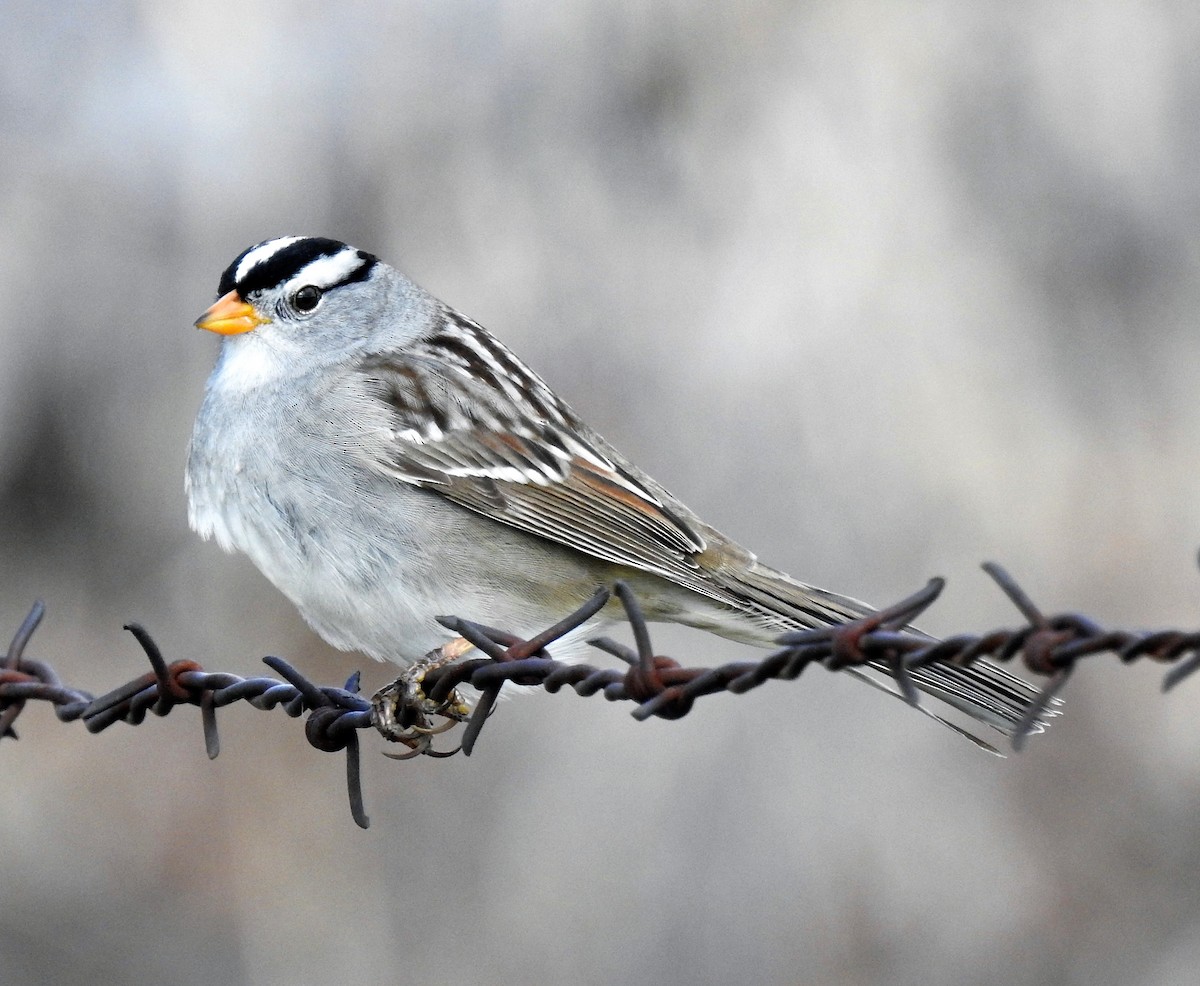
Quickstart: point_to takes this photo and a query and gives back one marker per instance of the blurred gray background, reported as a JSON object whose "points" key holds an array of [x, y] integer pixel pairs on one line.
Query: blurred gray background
{"points": [[883, 290]]}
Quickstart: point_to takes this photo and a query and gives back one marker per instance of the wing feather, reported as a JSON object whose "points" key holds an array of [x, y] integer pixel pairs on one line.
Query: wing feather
{"points": [[489, 435]]}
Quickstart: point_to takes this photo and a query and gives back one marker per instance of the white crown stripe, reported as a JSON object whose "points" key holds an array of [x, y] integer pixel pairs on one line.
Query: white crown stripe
{"points": [[261, 253], [325, 272]]}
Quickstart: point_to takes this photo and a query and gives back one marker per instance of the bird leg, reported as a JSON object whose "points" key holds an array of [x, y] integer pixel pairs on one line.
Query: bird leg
{"points": [[402, 712]]}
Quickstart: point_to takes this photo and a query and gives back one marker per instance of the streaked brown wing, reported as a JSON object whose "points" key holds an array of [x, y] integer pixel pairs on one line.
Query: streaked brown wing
{"points": [[492, 437]]}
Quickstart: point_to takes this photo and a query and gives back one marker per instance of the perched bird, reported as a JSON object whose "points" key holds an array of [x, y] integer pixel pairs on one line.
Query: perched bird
{"points": [[384, 460]]}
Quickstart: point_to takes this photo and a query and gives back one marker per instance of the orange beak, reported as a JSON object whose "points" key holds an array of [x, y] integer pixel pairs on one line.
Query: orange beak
{"points": [[229, 316]]}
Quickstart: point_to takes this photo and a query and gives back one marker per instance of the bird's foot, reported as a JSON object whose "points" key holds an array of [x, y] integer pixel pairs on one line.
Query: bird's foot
{"points": [[403, 713]]}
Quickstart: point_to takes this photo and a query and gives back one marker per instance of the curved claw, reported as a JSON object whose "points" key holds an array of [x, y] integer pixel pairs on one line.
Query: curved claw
{"points": [[434, 730], [415, 752], [442, 754]]}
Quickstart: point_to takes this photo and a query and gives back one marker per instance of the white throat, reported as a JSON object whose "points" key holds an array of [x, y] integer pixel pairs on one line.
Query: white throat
{"points": [[248, 362]]}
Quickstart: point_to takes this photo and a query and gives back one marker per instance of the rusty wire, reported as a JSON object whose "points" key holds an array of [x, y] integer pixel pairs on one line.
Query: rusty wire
{"points": [[425, 702]]}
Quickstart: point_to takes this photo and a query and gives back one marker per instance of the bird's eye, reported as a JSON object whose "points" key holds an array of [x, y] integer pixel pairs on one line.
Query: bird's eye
{"points": [[307, 298]]}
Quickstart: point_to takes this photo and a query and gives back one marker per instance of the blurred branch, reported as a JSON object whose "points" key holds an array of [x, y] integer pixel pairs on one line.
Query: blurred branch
{"points": [[425, 702]]}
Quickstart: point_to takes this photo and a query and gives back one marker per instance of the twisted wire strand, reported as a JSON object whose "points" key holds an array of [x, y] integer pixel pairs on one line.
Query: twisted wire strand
{"points": [[424, 702]]}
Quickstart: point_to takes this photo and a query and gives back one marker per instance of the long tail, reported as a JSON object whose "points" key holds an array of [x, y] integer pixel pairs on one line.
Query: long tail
{"points": [[776, 603]]}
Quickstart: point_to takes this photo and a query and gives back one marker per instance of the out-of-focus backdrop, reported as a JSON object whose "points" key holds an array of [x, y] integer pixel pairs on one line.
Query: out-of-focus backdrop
{"points": [[882, 290]]}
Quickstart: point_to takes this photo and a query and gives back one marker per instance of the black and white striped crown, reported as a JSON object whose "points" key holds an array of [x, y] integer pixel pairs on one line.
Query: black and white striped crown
{"points": [[315, 260]]}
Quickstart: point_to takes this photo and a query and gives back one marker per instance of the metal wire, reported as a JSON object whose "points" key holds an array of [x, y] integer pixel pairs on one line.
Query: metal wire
{"points": [[425, 701]]}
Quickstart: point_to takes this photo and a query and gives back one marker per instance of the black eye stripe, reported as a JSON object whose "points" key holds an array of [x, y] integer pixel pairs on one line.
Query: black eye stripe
{"points": [[287, 262]]}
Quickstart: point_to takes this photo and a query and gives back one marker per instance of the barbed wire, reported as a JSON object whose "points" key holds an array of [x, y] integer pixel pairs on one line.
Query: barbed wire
{"points": [[426, 701]]}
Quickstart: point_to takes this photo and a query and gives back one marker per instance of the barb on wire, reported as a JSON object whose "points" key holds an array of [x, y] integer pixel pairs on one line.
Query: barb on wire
{"points": [[428, 699]]}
